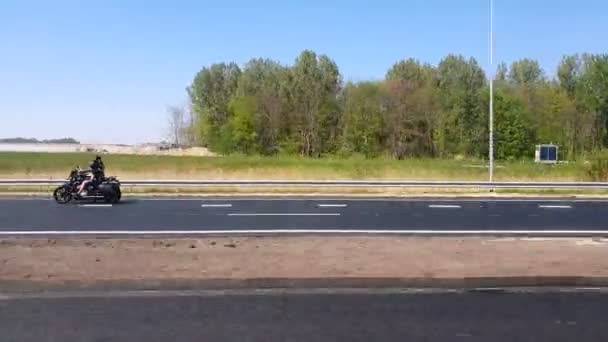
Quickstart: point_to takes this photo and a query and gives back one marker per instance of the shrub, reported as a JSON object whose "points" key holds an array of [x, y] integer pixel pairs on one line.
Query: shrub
{"points": [[597, 167]]}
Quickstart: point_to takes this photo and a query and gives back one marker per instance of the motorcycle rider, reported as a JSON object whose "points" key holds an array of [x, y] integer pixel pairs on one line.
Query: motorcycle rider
{"points": [[96, 174]]}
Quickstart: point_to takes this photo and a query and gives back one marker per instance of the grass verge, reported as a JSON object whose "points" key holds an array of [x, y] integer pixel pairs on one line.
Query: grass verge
{"points": [[57, 165]]}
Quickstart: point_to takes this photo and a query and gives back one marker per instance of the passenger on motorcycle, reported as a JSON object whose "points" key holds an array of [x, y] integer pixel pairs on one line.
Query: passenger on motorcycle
{"points": [[95, 175]]}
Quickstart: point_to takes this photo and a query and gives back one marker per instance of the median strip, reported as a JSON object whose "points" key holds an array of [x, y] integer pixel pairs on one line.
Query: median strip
{"points": [[308, 261]]}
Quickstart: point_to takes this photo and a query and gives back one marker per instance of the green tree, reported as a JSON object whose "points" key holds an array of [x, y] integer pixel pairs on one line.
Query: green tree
{"points": [[243, 136], [592, 92], [527, 83], [525, 71], [362, 124], [558, 120], [501, 72], [267, 83], [412, 70], [314, 87], [210, 94], [411, 113], [462, 122], [513, 137], [569, 73], [581, 120]]}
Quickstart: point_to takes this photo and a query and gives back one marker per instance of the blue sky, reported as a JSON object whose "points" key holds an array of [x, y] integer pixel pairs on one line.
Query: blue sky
{"points": [[115, 65]]}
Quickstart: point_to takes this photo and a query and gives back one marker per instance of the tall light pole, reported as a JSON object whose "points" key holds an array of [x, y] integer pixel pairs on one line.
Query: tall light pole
{"points": [[491, 109]]}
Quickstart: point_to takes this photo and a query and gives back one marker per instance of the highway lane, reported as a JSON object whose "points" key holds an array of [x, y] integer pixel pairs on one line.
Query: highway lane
{"points": [[307, 316], [320, 214]]}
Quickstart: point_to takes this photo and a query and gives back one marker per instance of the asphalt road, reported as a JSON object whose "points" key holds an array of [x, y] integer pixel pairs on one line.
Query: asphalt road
{"points": [[308, 317], [20, 214]]}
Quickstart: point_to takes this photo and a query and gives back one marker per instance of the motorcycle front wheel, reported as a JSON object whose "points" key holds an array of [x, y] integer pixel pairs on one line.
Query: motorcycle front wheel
{"points": [[62, 195]]}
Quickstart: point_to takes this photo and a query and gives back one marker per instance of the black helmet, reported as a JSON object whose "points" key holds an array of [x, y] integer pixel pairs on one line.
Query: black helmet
{"points": [[98, 157]]}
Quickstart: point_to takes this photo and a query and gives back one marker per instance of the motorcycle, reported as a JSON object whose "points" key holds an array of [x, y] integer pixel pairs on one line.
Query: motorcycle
{"points": [[108, 189]]}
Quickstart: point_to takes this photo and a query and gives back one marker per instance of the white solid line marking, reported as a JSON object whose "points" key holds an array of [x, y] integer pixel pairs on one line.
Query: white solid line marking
{"points": [[387, 199], [216, 205], [354, 199], [332, 205], [445, 206], [284, 214], [555, 206], [305, 231], [95, 205], [282, 291]]}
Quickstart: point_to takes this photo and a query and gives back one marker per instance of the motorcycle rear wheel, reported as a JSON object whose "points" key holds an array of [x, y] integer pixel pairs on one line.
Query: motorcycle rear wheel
{"points": [[62, 195], [113, 197]]}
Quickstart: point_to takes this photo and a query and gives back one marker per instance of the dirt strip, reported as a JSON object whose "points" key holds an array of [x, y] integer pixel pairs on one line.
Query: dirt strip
{"points": [[89, 262]]}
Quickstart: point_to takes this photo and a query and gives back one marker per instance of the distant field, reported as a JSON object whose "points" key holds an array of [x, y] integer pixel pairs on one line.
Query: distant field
{"points": [[57, 165]]}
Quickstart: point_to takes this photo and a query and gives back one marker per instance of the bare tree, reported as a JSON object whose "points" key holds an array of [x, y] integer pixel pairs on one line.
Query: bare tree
{"points": [[177, 124], [189, 132]]}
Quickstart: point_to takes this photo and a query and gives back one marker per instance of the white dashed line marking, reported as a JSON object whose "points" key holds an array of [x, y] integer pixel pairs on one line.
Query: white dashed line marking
{"points": [[95, 205], [555, 206], [445, 206], [332, 205], [227, 205]]}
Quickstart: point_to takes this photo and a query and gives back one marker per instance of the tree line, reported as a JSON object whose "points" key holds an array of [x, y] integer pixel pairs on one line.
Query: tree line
{"points": [[417, 110]]}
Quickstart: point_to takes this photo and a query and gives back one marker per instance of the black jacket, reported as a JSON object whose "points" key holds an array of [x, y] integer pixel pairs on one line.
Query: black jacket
{"points": [[98, 169]]}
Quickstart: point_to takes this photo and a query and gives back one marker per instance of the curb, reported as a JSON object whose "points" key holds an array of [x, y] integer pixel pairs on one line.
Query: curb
{"points": [[304, 283]]}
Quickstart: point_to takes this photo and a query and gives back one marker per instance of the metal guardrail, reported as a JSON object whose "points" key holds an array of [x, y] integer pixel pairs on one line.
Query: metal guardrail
{"points": [[327, 183]]}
